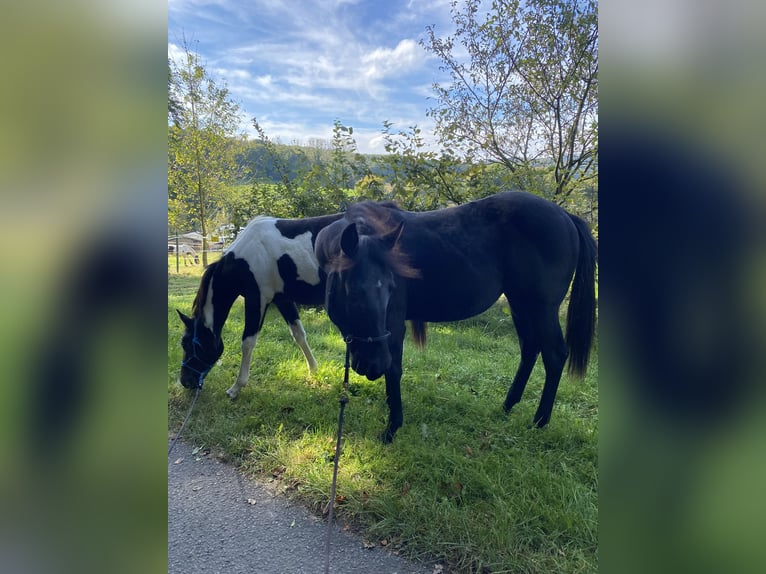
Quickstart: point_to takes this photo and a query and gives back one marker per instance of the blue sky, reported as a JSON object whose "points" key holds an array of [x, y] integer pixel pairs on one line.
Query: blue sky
{"points": [[298, 65]]}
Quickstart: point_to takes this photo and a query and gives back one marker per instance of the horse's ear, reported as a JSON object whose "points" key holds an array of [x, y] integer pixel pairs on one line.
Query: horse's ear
{"points": [[349, 240], [390, 238], [188, 321]]}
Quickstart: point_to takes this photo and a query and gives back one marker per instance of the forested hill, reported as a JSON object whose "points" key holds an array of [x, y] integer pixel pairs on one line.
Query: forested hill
{"points": [[326, 175], [274, 162]]}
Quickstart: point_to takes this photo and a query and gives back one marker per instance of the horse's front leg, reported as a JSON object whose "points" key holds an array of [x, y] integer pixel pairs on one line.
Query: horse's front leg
{"points": [[393, 385], [253, 323], [248, 344], [394, 400]]}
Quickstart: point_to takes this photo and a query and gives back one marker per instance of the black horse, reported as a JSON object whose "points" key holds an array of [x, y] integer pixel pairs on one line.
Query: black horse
{"points": [[385, 266], [271, 261]]}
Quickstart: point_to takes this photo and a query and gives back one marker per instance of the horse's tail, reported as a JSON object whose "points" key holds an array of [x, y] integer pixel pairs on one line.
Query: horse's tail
{"points": [[581, 315], [419, 329]]}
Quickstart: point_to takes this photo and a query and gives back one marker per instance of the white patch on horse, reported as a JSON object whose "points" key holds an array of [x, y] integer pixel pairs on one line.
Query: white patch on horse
{"points": [[261, 245], [207, 308], [299, 335], [248, 344]]}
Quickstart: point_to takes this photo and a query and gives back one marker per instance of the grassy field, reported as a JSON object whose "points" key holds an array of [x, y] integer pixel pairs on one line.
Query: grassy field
{"points": [[462, 483]]}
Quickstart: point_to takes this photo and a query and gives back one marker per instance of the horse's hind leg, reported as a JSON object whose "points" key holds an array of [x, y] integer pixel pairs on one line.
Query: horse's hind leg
{"points": [[554, 354], [289, 311], [530, 347]]}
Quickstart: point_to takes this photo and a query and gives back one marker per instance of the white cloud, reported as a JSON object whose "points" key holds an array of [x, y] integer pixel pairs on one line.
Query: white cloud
{"points": [[384, 62], [233, 74], [297, 68], [175, 53]]}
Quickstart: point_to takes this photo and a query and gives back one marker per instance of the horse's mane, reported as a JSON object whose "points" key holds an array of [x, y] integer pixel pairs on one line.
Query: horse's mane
{"points": [[379, 220], [199, 299]]}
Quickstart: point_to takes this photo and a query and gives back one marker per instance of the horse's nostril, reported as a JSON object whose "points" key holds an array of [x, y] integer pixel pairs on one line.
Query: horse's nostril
{"points": [[185, 382]]}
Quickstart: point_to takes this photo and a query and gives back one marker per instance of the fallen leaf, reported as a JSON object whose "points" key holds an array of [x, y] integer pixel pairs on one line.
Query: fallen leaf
{"points": [[469, 451], [384, 542], [292, 524], [340, 499], [438, 569], [179, 460], [252, 501], [368, 545]]}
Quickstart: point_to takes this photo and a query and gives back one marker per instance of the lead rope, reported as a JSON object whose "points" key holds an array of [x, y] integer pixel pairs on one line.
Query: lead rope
{"points": [[343, 401], [202, 374], [183, 424]]}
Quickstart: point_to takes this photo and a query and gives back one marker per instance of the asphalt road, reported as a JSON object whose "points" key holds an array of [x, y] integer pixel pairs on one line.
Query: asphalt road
{"points": [[221, 522]]}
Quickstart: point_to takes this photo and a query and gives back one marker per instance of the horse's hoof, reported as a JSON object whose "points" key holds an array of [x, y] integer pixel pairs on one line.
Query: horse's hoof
{"points": [[387, 437], [509, 404], [232, 394]]}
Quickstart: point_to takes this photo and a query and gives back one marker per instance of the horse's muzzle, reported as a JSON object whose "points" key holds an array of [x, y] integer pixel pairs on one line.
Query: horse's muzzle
{"points": [[371, 366], [189, 379]]}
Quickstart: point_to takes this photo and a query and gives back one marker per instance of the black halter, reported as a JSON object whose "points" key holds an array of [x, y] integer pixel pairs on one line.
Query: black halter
{"points": [[351, 338]]}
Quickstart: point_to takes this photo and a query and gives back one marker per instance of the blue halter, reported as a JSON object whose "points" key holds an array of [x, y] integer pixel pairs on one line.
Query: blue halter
{"points": [[185, 364]]}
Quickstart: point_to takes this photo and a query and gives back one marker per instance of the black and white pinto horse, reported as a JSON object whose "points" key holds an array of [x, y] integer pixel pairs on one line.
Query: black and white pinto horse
{"points": [[385, 266], [271, 261]]}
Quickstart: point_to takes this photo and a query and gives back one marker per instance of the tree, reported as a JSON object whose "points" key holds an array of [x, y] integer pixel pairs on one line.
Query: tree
{"points": [[174, 106], [202, 146], [527, 96], [421, 179]]}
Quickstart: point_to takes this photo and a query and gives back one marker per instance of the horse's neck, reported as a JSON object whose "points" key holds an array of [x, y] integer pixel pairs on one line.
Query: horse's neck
{"points": [[220, 297]]}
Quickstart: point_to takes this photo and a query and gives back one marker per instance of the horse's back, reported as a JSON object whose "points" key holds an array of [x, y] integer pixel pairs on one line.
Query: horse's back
{"points": [[513, 243], [280, 256], [467, 256]]}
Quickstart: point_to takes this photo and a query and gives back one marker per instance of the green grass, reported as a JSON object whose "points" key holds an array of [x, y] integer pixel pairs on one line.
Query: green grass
{"points": [[462, 483]]}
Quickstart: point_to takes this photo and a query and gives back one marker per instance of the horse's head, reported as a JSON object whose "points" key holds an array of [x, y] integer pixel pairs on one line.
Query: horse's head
{"points": [[201, 351], [361, 281]]}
